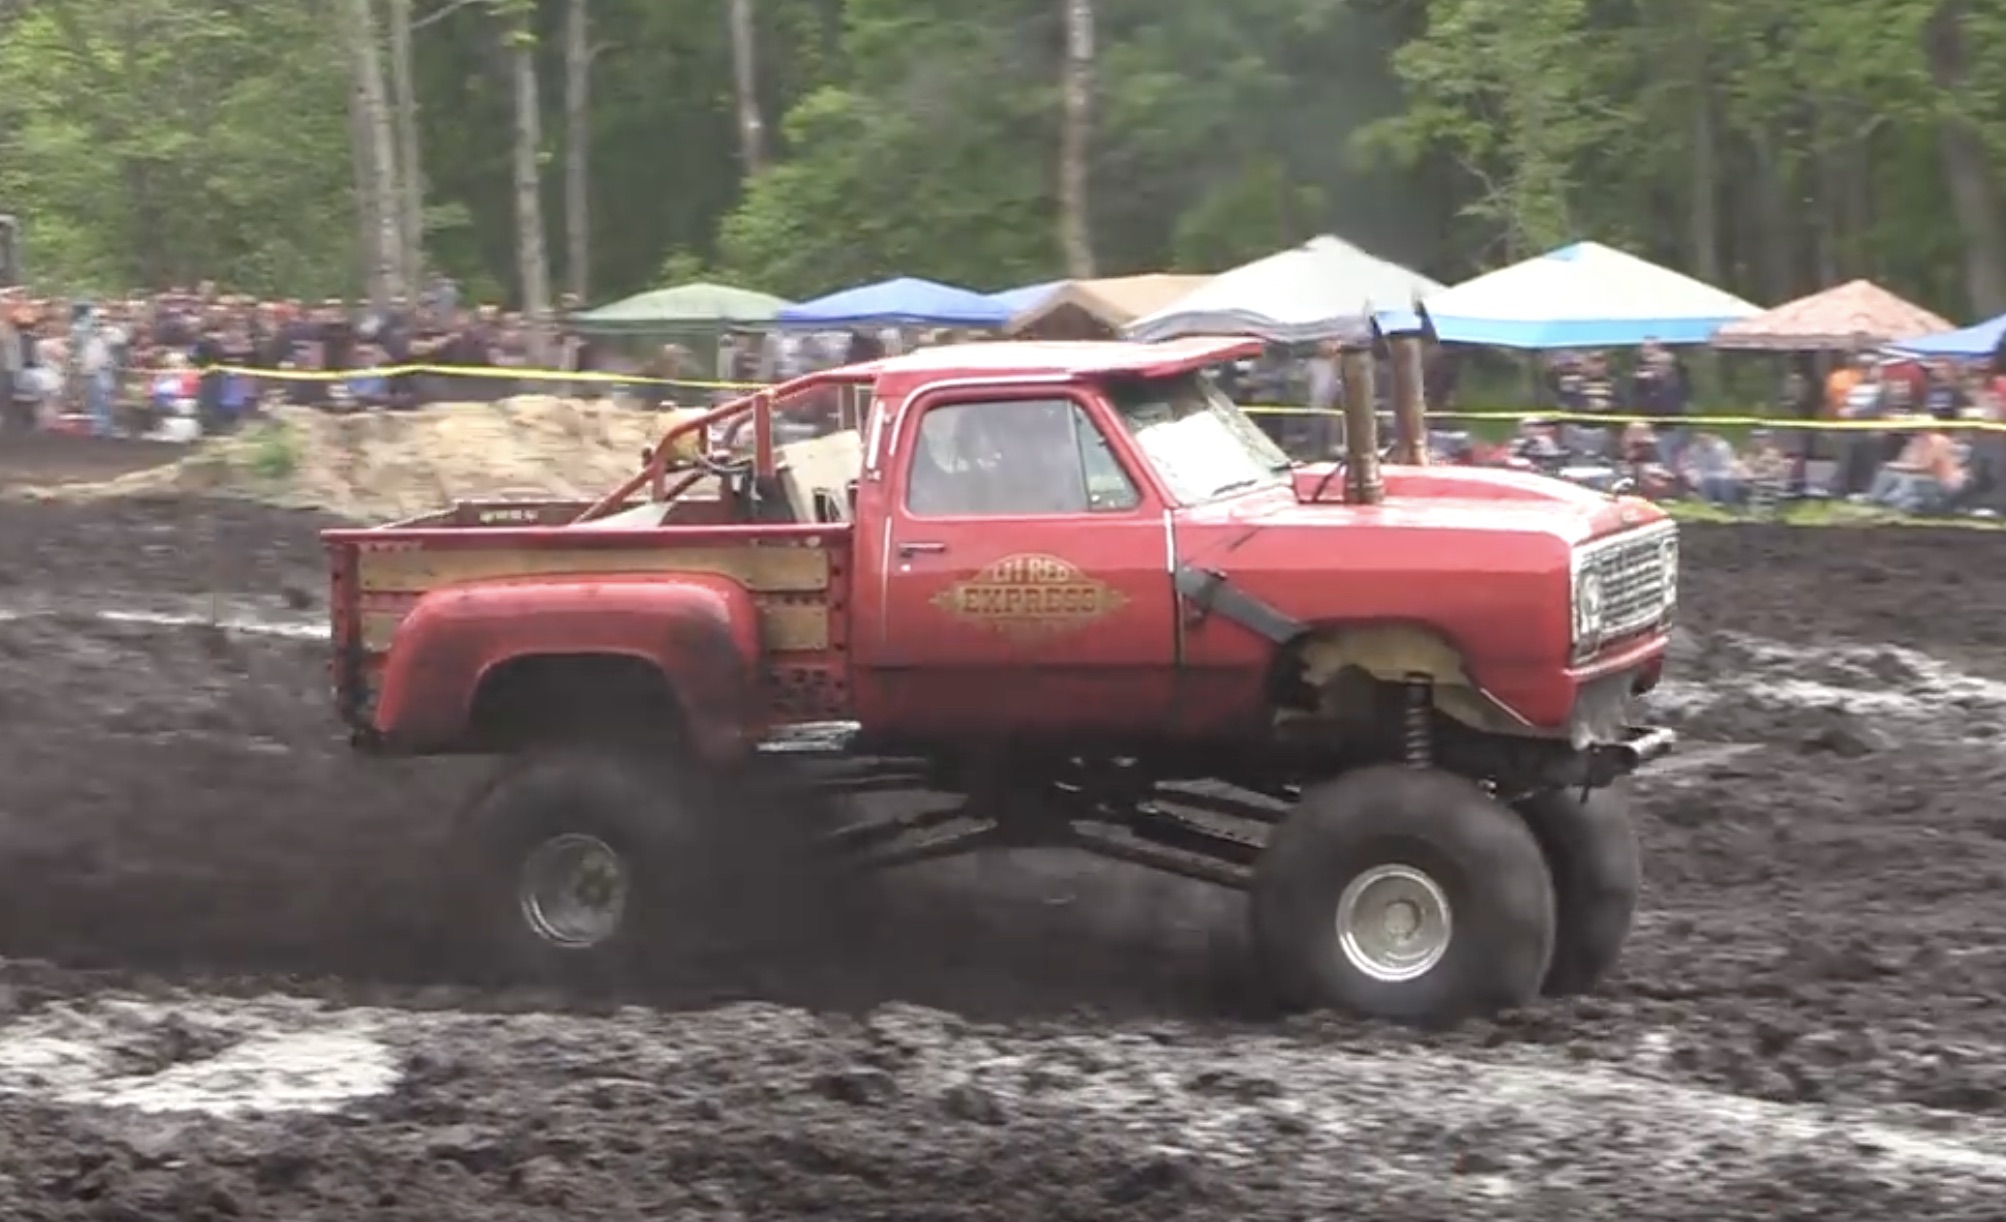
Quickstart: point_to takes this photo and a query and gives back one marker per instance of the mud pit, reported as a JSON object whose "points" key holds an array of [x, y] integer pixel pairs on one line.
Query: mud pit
{"points": [[1809, 1021]]}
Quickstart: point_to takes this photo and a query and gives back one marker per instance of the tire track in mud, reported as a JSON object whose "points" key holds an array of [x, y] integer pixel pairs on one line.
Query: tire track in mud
{"points": [[1808, 1017], [683, 1109]]}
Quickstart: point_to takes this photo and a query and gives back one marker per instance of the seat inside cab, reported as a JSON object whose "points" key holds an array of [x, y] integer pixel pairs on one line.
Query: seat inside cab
{"points": [[819, 475]]}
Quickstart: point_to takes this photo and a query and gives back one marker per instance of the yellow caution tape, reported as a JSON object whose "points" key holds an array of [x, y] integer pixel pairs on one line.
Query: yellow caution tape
{"points": [[491, 373], [505, 374]]}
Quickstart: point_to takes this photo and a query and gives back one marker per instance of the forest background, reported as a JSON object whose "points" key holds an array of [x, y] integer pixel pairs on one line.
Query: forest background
{"points": [[530, 148]]}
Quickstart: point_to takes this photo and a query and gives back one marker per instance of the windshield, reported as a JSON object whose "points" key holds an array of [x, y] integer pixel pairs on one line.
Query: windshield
{"points": [[1197, 439]]}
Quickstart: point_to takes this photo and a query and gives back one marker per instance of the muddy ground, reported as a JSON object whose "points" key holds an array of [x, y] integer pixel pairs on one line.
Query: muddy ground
{"points": [[248, 1020]]}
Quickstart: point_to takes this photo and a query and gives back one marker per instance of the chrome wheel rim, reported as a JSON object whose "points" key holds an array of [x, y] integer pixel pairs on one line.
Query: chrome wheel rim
{"points": [[573, 891], [1393, 923]]}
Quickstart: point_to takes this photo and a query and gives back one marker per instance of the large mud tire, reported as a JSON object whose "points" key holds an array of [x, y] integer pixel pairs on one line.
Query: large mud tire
{"points": [[1375, 830], [642, 810], [1591, 850]]}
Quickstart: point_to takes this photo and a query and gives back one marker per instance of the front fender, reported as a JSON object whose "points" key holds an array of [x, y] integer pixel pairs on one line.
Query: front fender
{"points": [[701, 631]]}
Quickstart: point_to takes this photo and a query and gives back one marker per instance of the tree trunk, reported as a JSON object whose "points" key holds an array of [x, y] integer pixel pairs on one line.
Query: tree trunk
{"points": [[1828, 203], [532, 262], [1075, 220], [386, 278], [1967, 172], [1704, 219], [1776, 249], [160, 260], [745, 72], [410, 164], [578, 151], [368, 192]]}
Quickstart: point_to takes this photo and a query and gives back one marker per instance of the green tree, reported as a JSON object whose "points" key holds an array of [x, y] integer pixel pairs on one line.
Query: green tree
{"points": [[935, 161], [1773, 146], [150, 141]]}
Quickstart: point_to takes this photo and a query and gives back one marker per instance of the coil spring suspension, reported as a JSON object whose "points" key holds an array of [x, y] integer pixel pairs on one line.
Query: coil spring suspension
{"points": [[1418, 725]]}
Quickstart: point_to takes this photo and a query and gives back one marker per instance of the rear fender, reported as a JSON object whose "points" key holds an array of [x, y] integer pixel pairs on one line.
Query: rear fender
{"points": [[701, 631]]}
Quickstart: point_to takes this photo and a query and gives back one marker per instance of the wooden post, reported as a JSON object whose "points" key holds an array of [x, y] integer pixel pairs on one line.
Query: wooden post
{"points": [[1410, 401], [1362, 484]]}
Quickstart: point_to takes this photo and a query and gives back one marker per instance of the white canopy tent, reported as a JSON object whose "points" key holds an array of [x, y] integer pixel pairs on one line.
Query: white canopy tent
{"points": [[1583, 296], [1324, 289]]}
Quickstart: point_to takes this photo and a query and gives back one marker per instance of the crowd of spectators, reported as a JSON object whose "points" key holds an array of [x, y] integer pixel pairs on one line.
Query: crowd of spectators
{"points": [[129, 365], [1916, 437], [190, 360], [1908, 435]]}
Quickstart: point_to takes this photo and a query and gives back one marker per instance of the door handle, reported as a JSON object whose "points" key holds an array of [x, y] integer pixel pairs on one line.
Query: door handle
{"points": [[922, 545]]}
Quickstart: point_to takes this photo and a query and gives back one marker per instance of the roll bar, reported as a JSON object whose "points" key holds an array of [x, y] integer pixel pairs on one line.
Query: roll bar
{"points": [[760, 404]]}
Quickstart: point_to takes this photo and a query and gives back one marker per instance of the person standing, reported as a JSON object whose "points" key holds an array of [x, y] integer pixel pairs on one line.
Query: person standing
{"points": [[12, 363], [1326, 402], [95, 343], [1659, 388], [1861, 451]]}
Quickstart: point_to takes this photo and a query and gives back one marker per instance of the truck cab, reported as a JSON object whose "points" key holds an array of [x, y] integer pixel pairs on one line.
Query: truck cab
{"points": [[1056, 582], [1173, 581]]}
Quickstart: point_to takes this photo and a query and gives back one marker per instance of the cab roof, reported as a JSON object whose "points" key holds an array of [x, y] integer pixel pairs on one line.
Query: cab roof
{"points": [[1068, 359]]}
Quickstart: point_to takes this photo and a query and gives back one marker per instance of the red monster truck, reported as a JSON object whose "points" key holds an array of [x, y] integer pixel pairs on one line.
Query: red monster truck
{"points": [[1056, 583]]}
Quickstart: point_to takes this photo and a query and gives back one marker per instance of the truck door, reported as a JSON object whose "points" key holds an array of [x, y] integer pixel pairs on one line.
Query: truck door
{"points": [[1026, 587]]}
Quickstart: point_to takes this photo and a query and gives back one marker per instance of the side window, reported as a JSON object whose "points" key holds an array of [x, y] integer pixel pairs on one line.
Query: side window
{"points": [[1019, 456]]}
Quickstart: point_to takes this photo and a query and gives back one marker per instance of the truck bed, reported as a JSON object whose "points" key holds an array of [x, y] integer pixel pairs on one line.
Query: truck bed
{"points": [[798, 575]]}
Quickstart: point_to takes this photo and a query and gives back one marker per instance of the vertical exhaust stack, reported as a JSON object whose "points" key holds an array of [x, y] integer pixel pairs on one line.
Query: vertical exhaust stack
{"points": [[1362, 483], [1410, 401], [1410, 389]]}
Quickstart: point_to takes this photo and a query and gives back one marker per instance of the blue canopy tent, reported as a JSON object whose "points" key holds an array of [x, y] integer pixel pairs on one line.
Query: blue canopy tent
{"points": [[903, 302], [1978, 339], [1016, 301], [1583, 296]]}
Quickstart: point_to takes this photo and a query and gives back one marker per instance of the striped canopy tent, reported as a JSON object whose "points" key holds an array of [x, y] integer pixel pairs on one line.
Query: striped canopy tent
{"points": [[1099, 309], [1858, 314]]}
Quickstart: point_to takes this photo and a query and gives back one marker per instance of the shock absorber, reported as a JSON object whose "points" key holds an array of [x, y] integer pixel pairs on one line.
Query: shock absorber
{"points": [[1418, 722]]}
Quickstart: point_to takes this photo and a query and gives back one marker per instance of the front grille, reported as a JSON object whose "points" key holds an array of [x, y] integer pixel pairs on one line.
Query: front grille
{"points": [[1639, 572]]}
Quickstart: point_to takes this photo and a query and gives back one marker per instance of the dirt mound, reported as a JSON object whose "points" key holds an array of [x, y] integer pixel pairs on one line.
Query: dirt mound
{"points": [[373, 466], [1808, 1018]]}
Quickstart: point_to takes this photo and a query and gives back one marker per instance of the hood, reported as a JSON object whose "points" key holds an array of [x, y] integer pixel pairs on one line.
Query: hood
{"points": [[1469, 498]]}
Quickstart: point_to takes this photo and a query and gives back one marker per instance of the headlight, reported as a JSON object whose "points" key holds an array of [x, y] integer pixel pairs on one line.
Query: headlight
{"points": [[1588, 609]]}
